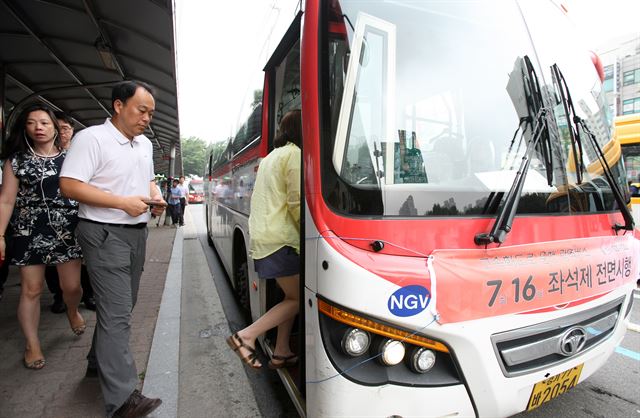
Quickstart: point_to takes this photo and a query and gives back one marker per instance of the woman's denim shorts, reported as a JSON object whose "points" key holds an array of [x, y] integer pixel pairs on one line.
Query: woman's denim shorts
{"points": [[284, 262]]}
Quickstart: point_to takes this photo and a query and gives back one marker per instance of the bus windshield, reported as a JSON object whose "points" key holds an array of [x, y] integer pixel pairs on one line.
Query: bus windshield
{"points": [[432, 105]]}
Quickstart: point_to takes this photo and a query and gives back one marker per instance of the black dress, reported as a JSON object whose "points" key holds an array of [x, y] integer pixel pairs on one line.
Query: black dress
{"points": [[43, 220]]}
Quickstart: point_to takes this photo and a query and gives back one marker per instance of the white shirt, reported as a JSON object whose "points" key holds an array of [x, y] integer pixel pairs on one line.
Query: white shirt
{"points": [[184, 190], [103, 157]]}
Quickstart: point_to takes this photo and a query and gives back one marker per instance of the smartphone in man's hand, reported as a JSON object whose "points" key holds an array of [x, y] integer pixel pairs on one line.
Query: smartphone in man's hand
{"points": [[155, 203]]}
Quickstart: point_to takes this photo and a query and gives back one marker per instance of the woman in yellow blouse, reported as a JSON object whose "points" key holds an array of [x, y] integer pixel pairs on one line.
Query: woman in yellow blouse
{"points": [[274, 226]]}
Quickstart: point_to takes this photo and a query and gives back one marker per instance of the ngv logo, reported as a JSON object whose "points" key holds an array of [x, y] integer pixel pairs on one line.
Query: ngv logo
{"points": [[409, 300]]}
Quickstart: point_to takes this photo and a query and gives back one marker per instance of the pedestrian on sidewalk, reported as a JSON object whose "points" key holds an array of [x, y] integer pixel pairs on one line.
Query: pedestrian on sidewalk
{"points": [[175, 205], [184, 199], [274, 226], [66, 124], [109, 170], [42, 222]]}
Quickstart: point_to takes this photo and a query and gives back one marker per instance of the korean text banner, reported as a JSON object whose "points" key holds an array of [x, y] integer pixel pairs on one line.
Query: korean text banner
{"points": [[472, 284]]}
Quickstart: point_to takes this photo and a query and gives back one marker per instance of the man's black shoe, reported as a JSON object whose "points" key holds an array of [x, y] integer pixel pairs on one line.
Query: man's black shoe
{"points": [[137, 405], [89, 303], [58, 306], [92, 371]]}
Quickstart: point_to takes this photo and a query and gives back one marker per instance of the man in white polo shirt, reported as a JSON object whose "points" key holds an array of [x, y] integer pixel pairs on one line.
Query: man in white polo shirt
{"points": [[109, 170]]}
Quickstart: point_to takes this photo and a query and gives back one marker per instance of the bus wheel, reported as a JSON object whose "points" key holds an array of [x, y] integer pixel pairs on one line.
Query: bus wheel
{"points": [[242, 285]]}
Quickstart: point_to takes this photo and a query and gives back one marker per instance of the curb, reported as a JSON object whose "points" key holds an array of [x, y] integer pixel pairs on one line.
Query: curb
{"points": [[162, 377]]}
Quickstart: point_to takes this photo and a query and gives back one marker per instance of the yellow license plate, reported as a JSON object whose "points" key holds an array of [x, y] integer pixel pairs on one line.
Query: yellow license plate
{"points": [[554, 386]]}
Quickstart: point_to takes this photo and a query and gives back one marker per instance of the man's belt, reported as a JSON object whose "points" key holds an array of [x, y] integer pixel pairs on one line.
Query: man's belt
{"points": [[133, 226]]}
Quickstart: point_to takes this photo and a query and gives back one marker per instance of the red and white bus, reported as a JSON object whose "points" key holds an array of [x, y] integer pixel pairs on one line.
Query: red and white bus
{"points": [[453, 263]]}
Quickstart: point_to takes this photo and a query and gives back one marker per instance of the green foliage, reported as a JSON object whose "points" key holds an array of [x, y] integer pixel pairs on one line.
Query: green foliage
{"points": [[195, 152], [217, 149], [257, 98], [194, 155]]}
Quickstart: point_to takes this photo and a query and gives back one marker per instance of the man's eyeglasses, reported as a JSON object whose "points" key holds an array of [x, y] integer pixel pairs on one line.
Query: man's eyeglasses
{"points": [[66, 129]]}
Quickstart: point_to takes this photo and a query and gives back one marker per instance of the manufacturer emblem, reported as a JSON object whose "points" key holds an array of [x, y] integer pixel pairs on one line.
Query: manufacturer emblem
{"points": [[573, 341]]}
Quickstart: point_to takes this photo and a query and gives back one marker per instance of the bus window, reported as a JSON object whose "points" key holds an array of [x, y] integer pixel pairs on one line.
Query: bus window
{"points": [[222, 159], [631, 154], [249, 131], [287, 96]]}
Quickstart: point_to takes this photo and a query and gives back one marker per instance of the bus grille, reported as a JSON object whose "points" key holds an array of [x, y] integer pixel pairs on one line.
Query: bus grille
{"points": [[528, 349]]}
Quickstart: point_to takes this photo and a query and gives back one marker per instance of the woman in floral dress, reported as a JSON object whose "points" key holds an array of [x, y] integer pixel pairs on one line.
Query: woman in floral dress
{"points": [[43, 222]]}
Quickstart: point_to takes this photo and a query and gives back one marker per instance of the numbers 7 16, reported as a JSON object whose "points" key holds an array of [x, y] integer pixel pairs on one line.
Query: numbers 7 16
{"points": [[526, 292]]}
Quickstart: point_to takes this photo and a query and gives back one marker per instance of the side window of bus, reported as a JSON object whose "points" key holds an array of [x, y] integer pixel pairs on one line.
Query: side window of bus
{"points": [[249, 131], [222, 159], [287, 89]]}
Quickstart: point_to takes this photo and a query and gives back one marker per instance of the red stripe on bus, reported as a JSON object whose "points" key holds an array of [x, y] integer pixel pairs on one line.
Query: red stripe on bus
{"points": [[264, 148]]}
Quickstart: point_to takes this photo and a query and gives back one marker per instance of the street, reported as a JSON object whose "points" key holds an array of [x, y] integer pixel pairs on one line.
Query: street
{"points": [[271, 397], [611, 392]]}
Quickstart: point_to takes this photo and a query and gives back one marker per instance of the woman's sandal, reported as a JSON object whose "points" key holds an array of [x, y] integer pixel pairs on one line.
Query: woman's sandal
{"points": [[78, 330], [284, 361], [235, 343], [35, 364]]}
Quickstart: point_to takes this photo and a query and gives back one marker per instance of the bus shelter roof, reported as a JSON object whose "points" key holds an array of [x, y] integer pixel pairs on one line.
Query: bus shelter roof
{"points": [[69, 54]]}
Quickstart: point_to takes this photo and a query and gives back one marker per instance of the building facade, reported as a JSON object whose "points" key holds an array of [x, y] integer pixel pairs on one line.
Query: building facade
{"points": [[621, 60]]}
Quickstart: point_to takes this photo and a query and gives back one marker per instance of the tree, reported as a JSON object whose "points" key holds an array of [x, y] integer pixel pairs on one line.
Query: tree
{"points": [[217, 148], [194, 155], [257, 98]]}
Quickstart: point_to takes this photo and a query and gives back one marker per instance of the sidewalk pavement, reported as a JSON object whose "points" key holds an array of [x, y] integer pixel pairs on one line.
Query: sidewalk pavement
{"points": [[177, 340], [190, 367]]}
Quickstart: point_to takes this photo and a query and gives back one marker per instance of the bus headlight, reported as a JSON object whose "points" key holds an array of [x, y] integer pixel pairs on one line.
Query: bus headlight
{"points": [[355, 342], [422, 360], [391, 351], [346, 334]]}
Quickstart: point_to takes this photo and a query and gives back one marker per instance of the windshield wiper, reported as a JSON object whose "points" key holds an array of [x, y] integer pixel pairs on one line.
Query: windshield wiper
{"points": [[535, 96], [570, 113], [531, 109], [504, 220], [572, 119], [615, 189], [494, 199]]}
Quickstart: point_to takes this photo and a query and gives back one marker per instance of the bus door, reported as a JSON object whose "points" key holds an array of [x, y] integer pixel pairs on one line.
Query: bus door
{"points": [[282, 94]]}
